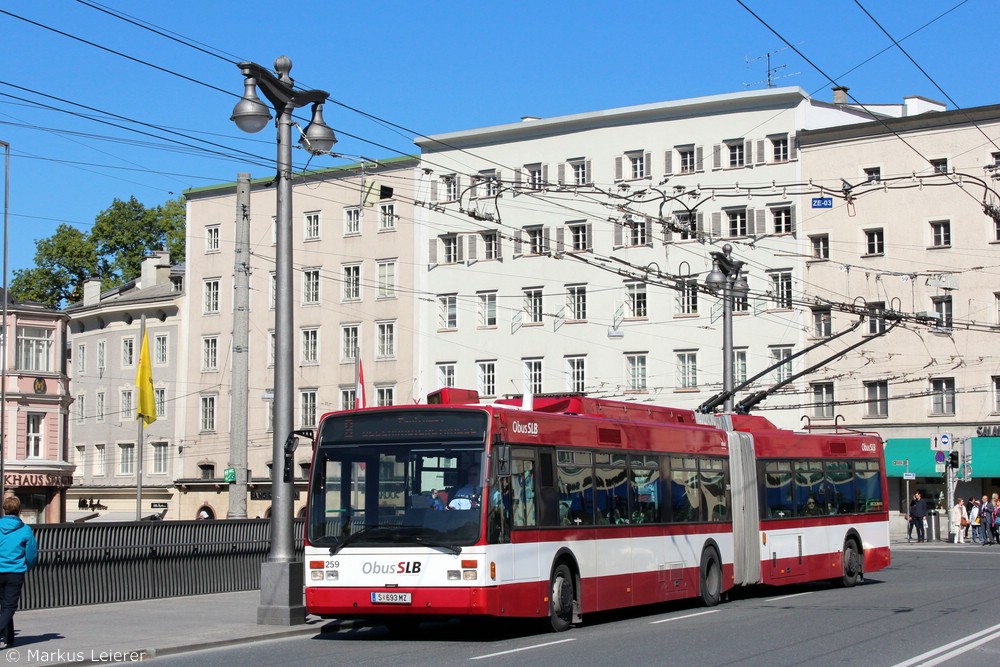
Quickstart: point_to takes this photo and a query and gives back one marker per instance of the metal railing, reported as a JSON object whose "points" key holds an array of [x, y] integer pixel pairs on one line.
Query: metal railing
{"points": [[84, 564]]}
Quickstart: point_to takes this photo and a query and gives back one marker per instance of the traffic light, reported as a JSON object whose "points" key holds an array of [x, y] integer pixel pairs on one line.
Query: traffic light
{"points": [[953, 459]]}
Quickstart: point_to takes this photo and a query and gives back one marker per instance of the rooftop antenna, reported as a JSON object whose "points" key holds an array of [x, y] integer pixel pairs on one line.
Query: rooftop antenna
{"points": [[771, 71]]}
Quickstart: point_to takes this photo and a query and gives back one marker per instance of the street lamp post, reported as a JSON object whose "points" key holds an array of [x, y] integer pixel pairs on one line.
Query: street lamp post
{"points": [[281, 581], [727, 274]]}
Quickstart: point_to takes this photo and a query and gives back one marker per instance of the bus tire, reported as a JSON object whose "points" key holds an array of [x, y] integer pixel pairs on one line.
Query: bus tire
{"points": [[561, 598], [853, 565], [711, 577]]}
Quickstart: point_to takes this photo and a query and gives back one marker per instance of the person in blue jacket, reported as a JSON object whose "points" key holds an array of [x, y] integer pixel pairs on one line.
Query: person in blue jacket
{"points": [[18, 554]]}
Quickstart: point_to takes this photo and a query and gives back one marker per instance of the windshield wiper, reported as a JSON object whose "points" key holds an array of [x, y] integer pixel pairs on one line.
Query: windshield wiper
{"points": [[453, 548], [354, 537]]}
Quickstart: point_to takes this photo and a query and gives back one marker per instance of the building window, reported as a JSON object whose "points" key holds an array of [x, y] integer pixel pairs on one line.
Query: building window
{"points": [[126, 458], [576, 374], [822, 322], [576, 302], [739, 366], [352, 221], [823, 403], [34, 349], [637, 165], [160, 401], [486, 378], [873, 175], [491, 184], [100, 357], [533, 376], [385, 396], [942, 306], [535, 240], [737, 155], [210, 353], [311, 226], [635, 365], [687, 159], [996, 394], [206, 417], [352, 282], [387, 280], [876, 318], [212, 239], [349, 336], [160, 458], [579, 236], [687, 297], [449, 246], [874, 242], [386, 217], [781, 355], [491, 245], [307, 408], [128, 352], [943, 396], [781, 289], [687, 224], [941, 233], [636, 228], [270, 348], [820, 246], [348, 401], [533, 304], [310, 287], [310, 346], [100, 461], [125, 411], [206, 470], [877, 398], [487, 309], [210, 297], [448, 311], [687, 369], [738, 222], [34, 435], [635, 300], [940, 166], [536, 177], [580, 172], [779, 149], [272, 290], [385, 344], [782, 217], [446, 375], [161, 355], [99, 406], [81, 358]]}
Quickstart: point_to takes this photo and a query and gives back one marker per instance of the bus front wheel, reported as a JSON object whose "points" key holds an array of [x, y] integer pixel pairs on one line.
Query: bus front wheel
{"points": [[853, 566], [561, 598], [711, 578]]}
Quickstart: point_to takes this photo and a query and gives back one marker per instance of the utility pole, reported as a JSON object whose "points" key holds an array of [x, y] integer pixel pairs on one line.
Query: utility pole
{"points": [[241, 352]]}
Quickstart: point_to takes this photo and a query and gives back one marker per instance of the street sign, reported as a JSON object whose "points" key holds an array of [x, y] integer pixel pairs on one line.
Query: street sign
{"points": [[909, 475], [939, 457], [945, 440], [938, 467], [900, 463], [822, 202]]}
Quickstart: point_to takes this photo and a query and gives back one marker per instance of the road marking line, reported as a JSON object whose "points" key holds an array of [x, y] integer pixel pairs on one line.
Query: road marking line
{"points": [[785, 597], [944, 653], [678, 618], [526, 648]]}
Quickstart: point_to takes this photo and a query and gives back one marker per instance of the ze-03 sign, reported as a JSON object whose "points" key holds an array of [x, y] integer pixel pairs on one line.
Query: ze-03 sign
{"points": [[822, 202]]}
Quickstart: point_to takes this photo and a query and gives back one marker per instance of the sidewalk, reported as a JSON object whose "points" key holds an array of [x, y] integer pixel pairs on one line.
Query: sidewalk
{"points": [[133, 631]]}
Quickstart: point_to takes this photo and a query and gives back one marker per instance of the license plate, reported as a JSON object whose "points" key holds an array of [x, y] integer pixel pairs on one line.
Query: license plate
{"points": [[382, 597]]}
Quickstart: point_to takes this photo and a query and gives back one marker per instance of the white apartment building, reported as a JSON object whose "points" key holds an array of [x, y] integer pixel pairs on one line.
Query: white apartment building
{"points": [[353, 291], [915, 229], [569, 254]]}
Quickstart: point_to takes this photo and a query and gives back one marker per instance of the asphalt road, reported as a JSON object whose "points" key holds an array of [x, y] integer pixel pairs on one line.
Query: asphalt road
{"points": [[936, 605]]}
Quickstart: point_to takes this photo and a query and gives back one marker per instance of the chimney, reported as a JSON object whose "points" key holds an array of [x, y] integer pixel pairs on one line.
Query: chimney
{"points": [[155, 270], [91, 291], [840, 94]]}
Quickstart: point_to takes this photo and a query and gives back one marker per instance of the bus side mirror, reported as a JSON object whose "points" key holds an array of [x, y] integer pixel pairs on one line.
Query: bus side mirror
{"points": [[503, 461]]}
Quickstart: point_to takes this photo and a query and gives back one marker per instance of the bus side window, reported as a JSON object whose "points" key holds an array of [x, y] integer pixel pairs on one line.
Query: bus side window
{"points": [[548, 502]]}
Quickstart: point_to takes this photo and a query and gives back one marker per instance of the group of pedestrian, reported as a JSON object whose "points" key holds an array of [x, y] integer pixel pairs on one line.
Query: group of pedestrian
{"points": [[980, 518]]}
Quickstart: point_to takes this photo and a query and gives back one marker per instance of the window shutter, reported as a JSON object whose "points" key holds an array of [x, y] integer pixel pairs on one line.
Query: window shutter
{"points": [[432, 253], [590, 236], [434, 190], [748, 153], [700, 224], [668, 233], [546, 239], [761, 148], [517, 244], [560, 239], [618, 167], [717, 223], [499, 183], [668, 162], [617, 242], [517, 178], [717, 157], [761, 223], [647, 163], [545, 174], [561, 174], [791, 217], [459, 250], [473, 247], [699, 158], [792, 147], [649, 232], [589, 178]]}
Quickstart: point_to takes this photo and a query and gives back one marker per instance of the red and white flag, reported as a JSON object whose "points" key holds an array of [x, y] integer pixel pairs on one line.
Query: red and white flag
{"points": [[360, 400]]}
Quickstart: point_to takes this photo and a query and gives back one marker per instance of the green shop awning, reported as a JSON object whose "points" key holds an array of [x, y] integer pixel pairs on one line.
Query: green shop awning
{"points": [[922, 462]]}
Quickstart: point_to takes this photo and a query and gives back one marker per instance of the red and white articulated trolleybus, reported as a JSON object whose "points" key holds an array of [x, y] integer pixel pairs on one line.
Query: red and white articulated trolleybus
{"points": [[568, 505]]}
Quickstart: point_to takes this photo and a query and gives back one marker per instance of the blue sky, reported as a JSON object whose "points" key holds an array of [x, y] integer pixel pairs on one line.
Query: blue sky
{"points": [[430, 67]]}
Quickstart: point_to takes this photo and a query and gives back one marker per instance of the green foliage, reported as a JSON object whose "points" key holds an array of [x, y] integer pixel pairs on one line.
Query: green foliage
{"points": [[122, 235]]}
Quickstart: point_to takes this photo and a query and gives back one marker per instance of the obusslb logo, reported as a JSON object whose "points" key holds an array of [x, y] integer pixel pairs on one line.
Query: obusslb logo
{"points": [[402, 567], [531, 428]]}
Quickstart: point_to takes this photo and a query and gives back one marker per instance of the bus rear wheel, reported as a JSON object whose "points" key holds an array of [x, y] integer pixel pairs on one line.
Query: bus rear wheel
{"points": [[853, 565], [711, 578], [561, 597]]}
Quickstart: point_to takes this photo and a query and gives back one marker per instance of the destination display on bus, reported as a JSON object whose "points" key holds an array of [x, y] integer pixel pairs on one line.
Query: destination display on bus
{"points": [[410, 426]]}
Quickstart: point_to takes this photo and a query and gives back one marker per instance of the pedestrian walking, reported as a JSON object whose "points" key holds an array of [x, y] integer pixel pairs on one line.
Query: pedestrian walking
{"points": [[959, 520], [968, 525], [918, 511], [974, 521], [18, 554], [986, 520]]}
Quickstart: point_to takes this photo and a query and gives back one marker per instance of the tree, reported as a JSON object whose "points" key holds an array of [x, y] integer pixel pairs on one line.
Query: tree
{"points": [[63, 262]]}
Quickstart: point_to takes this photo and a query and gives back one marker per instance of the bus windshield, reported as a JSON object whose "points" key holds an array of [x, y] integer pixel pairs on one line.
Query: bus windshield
{"points": [[400, 491]]}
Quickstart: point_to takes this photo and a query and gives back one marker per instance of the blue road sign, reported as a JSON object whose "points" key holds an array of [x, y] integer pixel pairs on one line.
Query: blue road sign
{"points": [[822, 202]]}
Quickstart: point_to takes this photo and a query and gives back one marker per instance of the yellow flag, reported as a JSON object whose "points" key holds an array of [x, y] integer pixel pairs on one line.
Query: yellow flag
{"points": [[144, 381]]}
